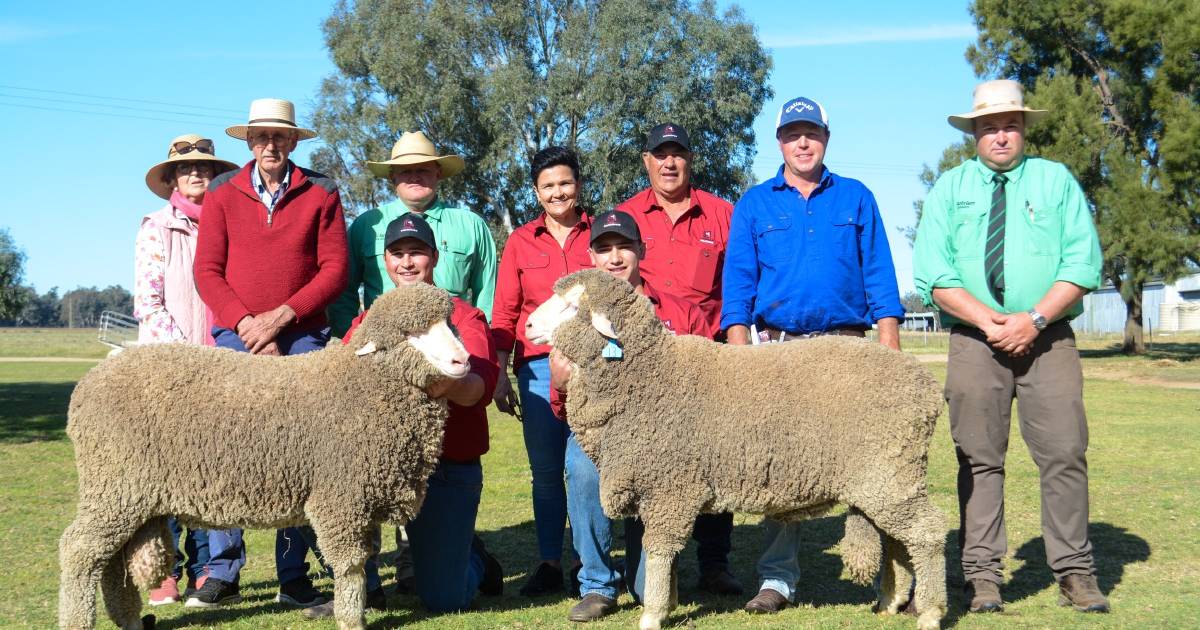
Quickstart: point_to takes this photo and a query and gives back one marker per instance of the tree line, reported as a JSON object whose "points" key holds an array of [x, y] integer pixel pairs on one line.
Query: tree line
{"points": [[21, 305]]}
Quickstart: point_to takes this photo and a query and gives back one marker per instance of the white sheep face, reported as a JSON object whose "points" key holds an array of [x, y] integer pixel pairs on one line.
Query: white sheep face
{"points": [[439, 345], [552, 313]]}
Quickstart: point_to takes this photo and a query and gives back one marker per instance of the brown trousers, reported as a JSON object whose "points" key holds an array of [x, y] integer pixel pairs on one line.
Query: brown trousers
{"points": [[1048, 384]]}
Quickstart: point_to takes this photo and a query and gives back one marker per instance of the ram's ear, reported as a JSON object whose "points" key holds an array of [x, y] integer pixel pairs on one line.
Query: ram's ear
{"points": [[603, 325], [574, 295], [365, 350]]}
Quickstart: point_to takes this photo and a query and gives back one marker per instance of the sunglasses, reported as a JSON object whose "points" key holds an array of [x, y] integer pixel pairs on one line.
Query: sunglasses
{"points": [[204, 146]]}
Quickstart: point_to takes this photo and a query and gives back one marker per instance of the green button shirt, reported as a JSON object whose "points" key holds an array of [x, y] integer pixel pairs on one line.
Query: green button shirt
{"points": [[1049, 235], [466, 264]]}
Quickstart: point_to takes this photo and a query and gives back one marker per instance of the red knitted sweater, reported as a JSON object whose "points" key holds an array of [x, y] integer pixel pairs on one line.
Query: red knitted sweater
{"points": [[247, 266]]}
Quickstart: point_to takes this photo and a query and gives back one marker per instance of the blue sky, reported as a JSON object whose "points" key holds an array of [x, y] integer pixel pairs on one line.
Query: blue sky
{"points": [[90, 95]]}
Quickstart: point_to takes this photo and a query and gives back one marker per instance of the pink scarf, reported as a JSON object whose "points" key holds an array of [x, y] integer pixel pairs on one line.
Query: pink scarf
{"points": [[192, 210]]}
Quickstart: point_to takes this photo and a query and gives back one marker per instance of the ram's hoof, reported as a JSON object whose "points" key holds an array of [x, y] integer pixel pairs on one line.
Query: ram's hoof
{"points": [[649, 622]]}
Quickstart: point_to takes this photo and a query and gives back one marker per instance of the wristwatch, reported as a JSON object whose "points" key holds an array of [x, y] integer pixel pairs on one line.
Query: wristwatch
{"points": [[1039, 320]]}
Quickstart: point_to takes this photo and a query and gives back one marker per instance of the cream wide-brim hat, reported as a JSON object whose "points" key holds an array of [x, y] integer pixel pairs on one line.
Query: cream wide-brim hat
{"points": [[995, 97], [156, 177], [414, 148], [273, 113]]}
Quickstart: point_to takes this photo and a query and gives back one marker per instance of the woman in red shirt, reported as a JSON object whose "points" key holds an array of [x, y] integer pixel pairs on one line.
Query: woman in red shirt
{"points": [[536, 256]]}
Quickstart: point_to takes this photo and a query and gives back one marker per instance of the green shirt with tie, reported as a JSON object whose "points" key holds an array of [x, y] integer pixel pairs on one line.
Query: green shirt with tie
{"points": [[1049, 235]]}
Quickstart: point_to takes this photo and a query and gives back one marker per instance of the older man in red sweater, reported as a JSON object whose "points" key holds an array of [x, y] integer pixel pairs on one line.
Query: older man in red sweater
{"points": [[271, 255]]}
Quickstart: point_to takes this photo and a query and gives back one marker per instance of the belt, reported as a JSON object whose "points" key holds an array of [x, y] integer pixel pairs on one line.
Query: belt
{"points": [[768, 334]]}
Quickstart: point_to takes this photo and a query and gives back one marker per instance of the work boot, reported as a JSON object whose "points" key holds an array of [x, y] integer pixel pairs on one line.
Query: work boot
{"points": [[492, 582], [215, 593], [1081, 593], [592, 607], [300, 593], [546, 579], [719, 581], [985, 596], [768, 601]]}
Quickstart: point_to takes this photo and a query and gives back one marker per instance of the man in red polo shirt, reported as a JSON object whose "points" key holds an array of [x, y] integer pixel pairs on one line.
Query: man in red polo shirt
{"points": [[685, 230], [616, 247]]}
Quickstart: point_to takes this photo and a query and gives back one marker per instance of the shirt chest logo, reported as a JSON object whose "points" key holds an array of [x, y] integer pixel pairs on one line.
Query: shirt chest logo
{"points": [[707, 238], [964, 204]]}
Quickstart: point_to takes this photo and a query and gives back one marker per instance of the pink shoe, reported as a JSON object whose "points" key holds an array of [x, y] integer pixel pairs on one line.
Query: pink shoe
{"points": [[166, 593]]}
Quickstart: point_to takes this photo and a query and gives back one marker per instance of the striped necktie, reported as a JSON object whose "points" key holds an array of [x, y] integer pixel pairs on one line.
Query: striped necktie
{"points": [[993, 260]]}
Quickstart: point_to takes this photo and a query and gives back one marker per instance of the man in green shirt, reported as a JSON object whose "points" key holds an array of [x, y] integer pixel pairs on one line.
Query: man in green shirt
{"points": [[1006, 249], [467, 267]]}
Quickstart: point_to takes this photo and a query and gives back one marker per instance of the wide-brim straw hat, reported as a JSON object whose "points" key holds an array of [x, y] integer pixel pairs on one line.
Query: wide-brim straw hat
{"points": [[274, 113], [414, 148], [156, 177], [994, 97]]}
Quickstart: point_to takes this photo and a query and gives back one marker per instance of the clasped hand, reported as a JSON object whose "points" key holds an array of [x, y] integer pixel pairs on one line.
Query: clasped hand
{"points": [[1012, 333], [258, 332]]}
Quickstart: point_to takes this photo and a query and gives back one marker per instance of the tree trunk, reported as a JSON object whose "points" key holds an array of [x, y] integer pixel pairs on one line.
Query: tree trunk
{"points": [[1135, 342]]}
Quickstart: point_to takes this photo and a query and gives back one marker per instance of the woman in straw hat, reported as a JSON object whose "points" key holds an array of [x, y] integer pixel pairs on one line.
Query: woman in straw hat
{"points": [[165, 301]]}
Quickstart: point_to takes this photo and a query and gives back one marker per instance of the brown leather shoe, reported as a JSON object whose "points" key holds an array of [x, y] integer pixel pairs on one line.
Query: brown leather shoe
{"points": [[1081, 593], [592, 607], [719, 582], [985, 596], [767, 602]]}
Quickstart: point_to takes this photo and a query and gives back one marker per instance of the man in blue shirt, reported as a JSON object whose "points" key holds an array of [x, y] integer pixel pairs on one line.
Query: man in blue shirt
{"points": [[808, 255]]}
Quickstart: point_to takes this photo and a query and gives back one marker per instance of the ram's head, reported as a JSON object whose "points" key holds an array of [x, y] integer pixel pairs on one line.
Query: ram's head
{"points": [[592, 316], [411, 325]]}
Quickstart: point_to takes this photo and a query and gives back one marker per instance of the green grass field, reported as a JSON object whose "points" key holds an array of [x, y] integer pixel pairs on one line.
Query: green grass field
{"points": [[1144, 418]]}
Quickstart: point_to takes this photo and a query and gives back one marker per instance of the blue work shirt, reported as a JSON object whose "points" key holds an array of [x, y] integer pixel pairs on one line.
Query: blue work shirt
{"points": [[808, 265]]}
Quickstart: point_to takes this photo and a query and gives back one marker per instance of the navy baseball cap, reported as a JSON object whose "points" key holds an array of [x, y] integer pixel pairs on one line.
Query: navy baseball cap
{"points": [[411, 225], [667, 132], [615, 222], [801, 109]]}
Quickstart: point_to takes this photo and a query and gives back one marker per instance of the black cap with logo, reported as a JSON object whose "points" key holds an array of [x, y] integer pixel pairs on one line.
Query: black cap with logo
{"points": [[411, 225], [667, 132], [615, 222]]}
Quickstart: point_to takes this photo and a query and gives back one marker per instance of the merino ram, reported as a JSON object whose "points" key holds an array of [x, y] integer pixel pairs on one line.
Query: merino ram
{"points": [[342, 439], [683, 425]]}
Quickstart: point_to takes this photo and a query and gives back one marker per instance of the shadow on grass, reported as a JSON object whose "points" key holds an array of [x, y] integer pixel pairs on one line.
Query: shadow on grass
{"points": [[1176, 351], [33, 412], [1113, 548]]}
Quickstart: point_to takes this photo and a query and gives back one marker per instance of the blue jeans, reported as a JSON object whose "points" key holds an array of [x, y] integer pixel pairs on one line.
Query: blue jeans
{"points": [[446, 569], [196, 547], [591, 530], [546, 444], [779, 566], [712, 533], [226, 548]]}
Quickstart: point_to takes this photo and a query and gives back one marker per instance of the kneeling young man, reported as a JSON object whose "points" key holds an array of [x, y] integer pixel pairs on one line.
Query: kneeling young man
{"points": [[617, 248], [449, 562]]}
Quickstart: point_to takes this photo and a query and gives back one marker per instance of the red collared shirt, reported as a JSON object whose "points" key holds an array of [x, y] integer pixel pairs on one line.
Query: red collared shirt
{"points": [[466, 427], [532, 262], [679, 316], [684, 258]]}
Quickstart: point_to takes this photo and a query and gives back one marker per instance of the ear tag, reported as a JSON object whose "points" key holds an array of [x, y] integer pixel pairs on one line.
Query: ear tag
{"points": [[612, 351]]}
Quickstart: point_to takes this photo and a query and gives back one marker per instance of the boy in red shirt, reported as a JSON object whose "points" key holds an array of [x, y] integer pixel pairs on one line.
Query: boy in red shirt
{"points": [[616, 247], [449, 562]]}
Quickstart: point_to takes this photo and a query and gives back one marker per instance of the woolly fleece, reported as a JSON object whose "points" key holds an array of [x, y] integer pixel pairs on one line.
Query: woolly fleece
{"points": [[333, 439], [683, 425]]}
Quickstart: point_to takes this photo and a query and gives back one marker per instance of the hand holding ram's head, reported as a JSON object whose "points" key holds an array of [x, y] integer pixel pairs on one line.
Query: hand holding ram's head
{"points": [[409, 327]]}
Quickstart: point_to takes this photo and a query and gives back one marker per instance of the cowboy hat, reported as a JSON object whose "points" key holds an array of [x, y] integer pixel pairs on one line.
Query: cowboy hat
{"points": [[274, 113], [189, 147], [994, 97], [414, 148]]}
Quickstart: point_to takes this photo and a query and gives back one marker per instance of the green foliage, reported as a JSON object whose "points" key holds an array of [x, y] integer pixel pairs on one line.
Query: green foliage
{"points": [[1121, 79], [12, 269], [497, 81]]}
